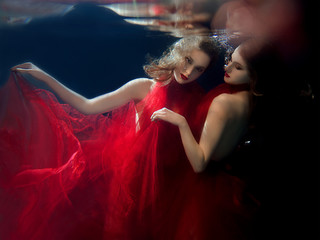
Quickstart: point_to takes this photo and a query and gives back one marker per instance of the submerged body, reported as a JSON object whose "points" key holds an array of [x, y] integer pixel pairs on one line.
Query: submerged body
{"points": [[116, 176], [122, 184]]}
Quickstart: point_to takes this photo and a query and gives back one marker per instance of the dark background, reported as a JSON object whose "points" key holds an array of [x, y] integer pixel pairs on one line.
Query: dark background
{"points": [[93, 51], [90, 49]]}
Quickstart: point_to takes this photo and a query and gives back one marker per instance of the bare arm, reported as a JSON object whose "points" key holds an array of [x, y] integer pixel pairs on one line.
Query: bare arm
{"points": [[222, 130], [134, 90]]}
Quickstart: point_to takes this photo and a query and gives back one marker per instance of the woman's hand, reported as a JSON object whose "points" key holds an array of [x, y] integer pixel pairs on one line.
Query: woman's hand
{"points": [[31, 69], [192, 149], [169, 116]]}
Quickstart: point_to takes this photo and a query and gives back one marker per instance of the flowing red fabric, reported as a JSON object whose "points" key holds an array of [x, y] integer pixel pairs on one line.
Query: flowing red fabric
{"points": [[65, 175]]}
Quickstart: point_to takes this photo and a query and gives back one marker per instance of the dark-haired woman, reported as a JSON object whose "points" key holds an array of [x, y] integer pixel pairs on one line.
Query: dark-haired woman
{"points": [[70, 172]]}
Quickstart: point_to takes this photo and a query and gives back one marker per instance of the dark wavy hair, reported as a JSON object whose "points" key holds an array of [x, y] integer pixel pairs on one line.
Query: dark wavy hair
{"points": [[253, 51]]}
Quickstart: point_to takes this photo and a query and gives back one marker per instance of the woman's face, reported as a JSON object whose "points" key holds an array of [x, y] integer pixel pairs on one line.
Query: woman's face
{"points": [[236, 70], [192, 66]]}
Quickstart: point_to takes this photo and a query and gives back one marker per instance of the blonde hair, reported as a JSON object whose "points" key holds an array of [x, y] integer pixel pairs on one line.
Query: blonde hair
{"points": [[161, 69]]}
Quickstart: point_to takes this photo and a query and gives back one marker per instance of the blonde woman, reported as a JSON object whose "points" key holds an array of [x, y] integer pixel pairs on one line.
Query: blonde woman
{"points": [[77, 172]]}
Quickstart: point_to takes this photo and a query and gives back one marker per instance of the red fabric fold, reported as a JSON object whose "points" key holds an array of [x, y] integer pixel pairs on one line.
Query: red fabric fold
{"points": [[65, 175]]}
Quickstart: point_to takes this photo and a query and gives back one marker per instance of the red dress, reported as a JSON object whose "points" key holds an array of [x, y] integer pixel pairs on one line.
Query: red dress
{"points": [[65, 175]]}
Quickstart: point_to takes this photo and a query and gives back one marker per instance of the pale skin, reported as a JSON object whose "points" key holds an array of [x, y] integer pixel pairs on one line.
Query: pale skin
{"points": [[224, 125], [225, 122]]}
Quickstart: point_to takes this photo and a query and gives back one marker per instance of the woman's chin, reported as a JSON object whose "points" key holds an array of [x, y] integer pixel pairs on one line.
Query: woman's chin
{"points": [[226, 80]]}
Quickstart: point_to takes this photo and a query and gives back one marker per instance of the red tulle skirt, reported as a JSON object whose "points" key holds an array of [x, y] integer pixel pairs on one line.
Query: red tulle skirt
{"points": [[65, 175]]}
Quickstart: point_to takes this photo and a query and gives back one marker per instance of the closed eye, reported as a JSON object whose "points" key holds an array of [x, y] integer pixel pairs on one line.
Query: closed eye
{"points": [[238, 67], [200, 69]]}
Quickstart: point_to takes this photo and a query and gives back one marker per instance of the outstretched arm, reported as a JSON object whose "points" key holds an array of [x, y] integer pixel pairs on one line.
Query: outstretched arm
{"points": [[134, 90], [220, 134]]}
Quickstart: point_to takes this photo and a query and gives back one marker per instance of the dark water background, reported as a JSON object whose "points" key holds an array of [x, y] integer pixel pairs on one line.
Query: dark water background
{"points": [[91, 49]]}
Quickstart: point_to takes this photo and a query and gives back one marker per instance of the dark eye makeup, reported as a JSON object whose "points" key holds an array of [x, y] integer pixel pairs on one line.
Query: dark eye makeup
{"points": [[189, 60]]}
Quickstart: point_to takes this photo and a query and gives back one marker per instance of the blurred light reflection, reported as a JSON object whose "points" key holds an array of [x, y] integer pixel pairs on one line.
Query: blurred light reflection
{"points": [[179, 17], [23, 11], [273, 20]]}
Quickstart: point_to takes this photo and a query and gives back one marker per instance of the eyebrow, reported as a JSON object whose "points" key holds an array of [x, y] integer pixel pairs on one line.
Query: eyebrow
{"points": [[198, 66], [190, 58], [237, 62]]}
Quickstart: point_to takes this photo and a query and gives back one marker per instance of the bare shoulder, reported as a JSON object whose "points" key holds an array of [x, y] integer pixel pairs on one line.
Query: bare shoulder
{"points": [[140, 87], [231, 105], [142, 82]]}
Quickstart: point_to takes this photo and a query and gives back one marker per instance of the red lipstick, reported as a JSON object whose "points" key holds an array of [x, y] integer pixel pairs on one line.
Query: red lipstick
{"points": [[183, 77], [226, 75]]}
